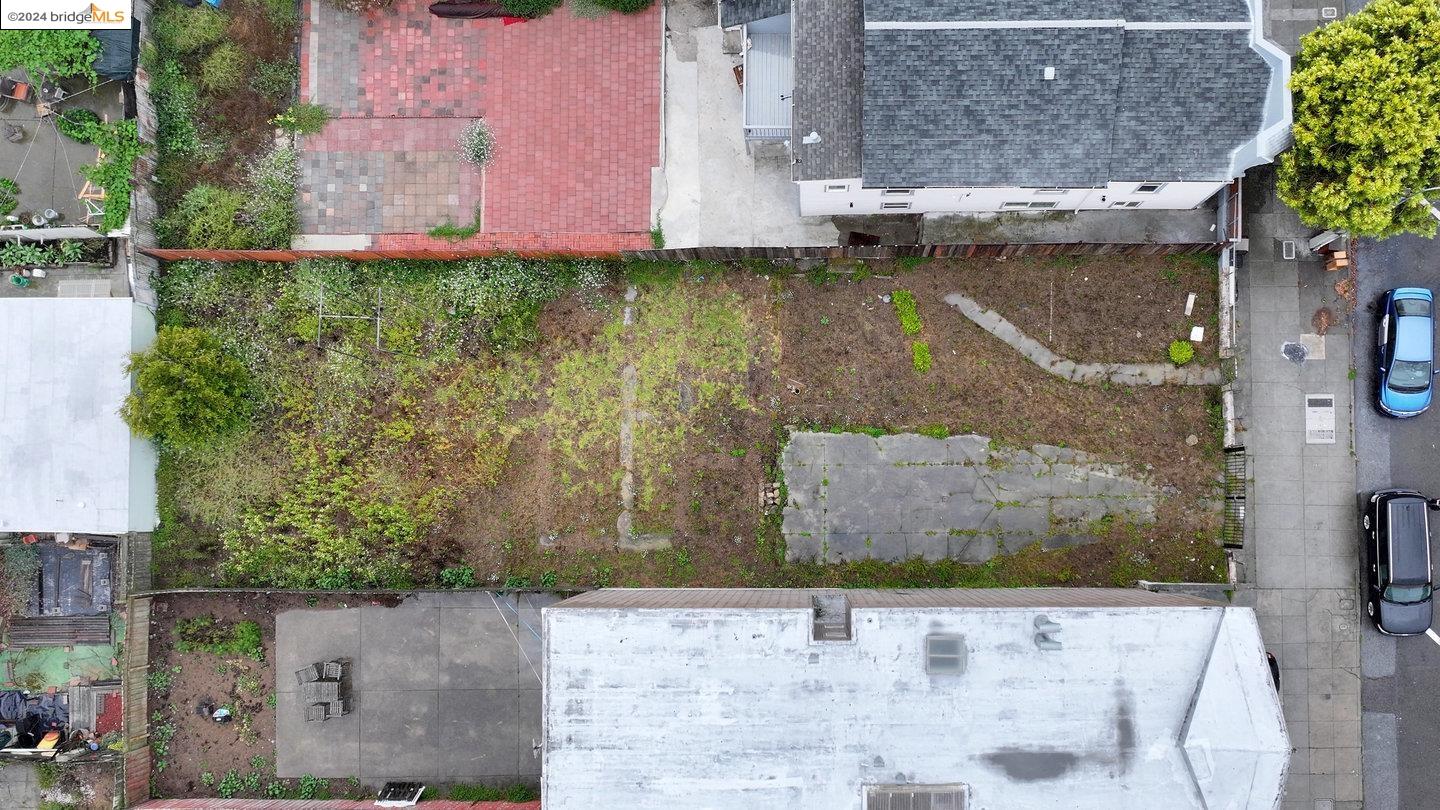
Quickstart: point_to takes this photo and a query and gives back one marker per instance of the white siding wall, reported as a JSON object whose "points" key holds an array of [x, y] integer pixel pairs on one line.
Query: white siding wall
{"points": [[815, 200]]}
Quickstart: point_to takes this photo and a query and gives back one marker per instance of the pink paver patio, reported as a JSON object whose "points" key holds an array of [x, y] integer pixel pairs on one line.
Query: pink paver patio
{"points": [[574, 105]]}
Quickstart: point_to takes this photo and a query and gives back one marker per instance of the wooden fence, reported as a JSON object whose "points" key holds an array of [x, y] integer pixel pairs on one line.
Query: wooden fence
{"points": [[958, 251], [136, 725]]}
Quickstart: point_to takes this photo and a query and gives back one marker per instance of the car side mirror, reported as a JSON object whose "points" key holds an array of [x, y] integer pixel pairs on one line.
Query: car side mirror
{"points": [[1434, 504]]}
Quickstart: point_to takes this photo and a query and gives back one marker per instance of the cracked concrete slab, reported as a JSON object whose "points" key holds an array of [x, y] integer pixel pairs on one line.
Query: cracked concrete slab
{"points": [[854, 496]]}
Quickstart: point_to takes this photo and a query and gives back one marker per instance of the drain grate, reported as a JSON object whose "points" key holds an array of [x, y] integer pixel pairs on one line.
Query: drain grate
{"points": [[1319, 418], [1232, 532]]}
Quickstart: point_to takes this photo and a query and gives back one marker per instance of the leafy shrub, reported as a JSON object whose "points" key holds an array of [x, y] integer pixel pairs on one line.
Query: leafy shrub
{"points": [[283, 15], [19, 254], [207, 217], [276, 80], [303, 118], [230, 785], [624, 6], [50, 54], [182, 30], [532, 9], [208, 634], [9, 191], [904, 302], [120, 143], [1181, 352], [188, 391], [459, 577], [477, 143], [272, 180], [47, 775], [224, 69], [177, 105], [161, 679], [312, 787], [920, 356], [361, 6], [77, 124]]}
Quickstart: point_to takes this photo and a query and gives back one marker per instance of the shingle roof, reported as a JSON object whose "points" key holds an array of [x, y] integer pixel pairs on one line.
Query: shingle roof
{"points": [[1181, 109], [971, 107], [989, 10], [739, 12], [829, 36]]}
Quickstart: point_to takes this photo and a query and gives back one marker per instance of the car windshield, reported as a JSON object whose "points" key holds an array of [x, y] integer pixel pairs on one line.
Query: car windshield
{"points": [[1407, 594], [1418, 307], [1409, 376]]}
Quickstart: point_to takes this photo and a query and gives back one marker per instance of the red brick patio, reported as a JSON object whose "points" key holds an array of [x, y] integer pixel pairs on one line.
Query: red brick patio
{"points": [[574, 105]]}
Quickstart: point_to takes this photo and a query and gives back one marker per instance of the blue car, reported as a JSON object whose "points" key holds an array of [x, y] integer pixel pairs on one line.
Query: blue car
{"points": [[1407, 349]]}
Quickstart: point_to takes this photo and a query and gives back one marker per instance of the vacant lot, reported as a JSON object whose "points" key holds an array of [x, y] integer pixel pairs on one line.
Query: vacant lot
{"points": [[531, 423]]}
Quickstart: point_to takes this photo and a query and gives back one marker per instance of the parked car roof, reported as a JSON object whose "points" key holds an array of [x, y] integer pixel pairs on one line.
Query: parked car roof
{"points": [[1409, 540]]}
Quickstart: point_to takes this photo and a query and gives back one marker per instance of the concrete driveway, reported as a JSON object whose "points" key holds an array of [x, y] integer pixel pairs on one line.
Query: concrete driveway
{"points": [[445, 687]]}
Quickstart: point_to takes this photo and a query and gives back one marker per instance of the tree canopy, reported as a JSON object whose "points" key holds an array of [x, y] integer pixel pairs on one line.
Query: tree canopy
{"points": [[1367, 121], [188, 390]]}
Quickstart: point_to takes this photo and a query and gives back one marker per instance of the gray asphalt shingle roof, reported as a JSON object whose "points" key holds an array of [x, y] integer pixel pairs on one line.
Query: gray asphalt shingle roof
{"points": [[828, 53], [988, 10], [739, 12]]}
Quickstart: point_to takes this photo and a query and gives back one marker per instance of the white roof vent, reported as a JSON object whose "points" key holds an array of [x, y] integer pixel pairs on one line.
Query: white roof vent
{"points": [[1049, 73], [944, 654]]}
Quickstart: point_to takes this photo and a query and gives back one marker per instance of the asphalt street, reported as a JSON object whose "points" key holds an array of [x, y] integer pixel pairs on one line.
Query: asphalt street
{"points": [[1401, 676]]}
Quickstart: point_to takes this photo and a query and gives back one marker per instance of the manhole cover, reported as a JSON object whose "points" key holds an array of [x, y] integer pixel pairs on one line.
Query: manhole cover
{"points": [[1294, 352], [1319, 419]]}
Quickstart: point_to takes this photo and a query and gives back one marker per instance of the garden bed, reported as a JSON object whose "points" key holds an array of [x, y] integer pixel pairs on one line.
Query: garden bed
{"points": [[473, 448], [192, 755]]}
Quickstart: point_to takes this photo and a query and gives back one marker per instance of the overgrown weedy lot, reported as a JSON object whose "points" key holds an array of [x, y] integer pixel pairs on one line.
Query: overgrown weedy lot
{"points": [[505, 421]]}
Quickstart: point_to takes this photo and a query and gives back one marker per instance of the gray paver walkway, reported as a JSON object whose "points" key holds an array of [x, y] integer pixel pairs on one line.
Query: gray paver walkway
{"points": [[1300, 553], [19, 787], [854, 496], [1118, 373]]}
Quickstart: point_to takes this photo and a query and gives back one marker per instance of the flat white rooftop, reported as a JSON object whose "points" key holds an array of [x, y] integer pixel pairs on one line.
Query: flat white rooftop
{"points": [[68, 461], [722, 699]]}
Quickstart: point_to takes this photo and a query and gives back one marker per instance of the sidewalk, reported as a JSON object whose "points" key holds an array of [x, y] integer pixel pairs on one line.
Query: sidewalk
{"points": [[1301, 550]]}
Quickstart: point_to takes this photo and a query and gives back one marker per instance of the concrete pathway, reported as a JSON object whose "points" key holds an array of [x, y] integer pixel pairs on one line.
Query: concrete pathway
{"points": [[853, 496], [19, 787], [1119, 373], [1301, 556]]}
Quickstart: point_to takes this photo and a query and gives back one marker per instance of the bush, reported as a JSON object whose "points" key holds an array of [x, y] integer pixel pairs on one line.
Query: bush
{"points": [[78, 124], [477, 143], [276, 80], [272, 180], [361, 6], [624, 6], [224, 69], [208, 634], [177, 105], [920, 356], [532, 9], [459, 577], [120, 142], [208, 217], [904, 302], [49, 54], [188, 391], [283, 15], [303, 118], [505, 294], [1181, 352], [177, 29]]}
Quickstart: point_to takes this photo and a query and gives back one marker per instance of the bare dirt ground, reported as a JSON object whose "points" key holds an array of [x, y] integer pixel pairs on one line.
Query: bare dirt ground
{"points": [[840, 361]]}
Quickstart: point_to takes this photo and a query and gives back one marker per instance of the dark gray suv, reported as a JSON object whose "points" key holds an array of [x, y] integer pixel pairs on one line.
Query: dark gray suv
{"points": [[1397, 558]]}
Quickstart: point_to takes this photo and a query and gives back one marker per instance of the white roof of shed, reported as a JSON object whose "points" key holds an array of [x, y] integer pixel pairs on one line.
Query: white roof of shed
{"points": [[736, 707], [69, 463]]}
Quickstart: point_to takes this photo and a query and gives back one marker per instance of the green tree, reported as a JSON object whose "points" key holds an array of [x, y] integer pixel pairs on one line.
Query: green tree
{"points": [[50, 54], [1367, 121], [188, 391]]}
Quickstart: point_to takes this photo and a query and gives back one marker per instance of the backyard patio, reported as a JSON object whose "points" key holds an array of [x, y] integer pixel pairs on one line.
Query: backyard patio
{"points": [[573, 104]]}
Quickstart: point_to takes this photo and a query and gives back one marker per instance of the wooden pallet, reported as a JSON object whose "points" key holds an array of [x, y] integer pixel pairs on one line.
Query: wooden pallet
{"points": [[58, 631]]}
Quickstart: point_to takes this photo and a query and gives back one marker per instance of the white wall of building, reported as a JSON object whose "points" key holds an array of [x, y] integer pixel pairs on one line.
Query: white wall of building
{"points": [[846, 196]]}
